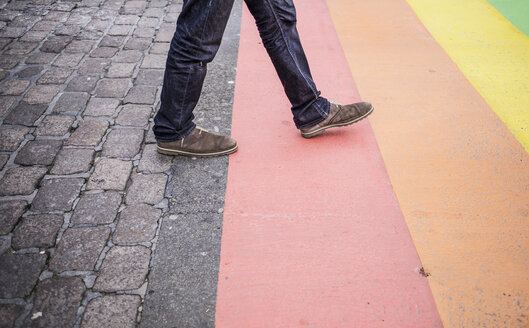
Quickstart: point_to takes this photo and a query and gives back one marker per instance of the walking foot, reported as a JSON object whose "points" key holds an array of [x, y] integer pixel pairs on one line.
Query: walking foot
{"points": [[340, 115], [199, 143]]}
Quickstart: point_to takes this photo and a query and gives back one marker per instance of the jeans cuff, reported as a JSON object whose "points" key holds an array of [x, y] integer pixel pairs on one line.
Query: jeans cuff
{"points": [[178, 137]]}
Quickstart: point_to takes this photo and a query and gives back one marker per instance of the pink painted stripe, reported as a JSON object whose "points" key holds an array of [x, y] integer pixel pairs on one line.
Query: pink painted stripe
{"points": [[313, 234]]}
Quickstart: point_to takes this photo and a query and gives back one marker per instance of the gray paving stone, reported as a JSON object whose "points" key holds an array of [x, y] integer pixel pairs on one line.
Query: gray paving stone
{"points": [[21, 180], [37, 231], [100, 208], [41, 58], [126, 20], [152, 161], [146, 188], [14, 87], [71, 102], [144, 32], [104, 52], [153, 12], [54, 125], [44, 25], [113, 4], [130, 11], [55, 76], [56, 303], [110, 174], [78, 19], [79, 249], [112, 88], [150, 77], [132, 115], [141, 94], [120, 30], [154, 61], [123, 143], [38, 152], [120, 70], [82, 83], [21, 48], [161, 48], [3, 160], [79, 46], [12, 32], [135, 4], [55, 44], [97, 25], [69, 60], [32, 36], [164, 35], [9, 313], [93, 66], [67, 30], [3, 74], [104, 13], [11, 138], [9, 61], [158, 4], [25, 114], [10, 212], [124, 268], [41, 94], [6, 103], [24, 20], [29, 72], [4, 42], [19, 273], [112, 41], [128, 56], [73, 160], [65, 6], [17, 5], [58, 16], [149, 21], [138, 44], [57, 194], [101, 107], [89, 133], [111, 311]]}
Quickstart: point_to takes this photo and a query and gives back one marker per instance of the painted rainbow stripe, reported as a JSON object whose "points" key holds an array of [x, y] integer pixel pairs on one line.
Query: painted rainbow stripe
{"points": [[460, 175], [328, 232]]}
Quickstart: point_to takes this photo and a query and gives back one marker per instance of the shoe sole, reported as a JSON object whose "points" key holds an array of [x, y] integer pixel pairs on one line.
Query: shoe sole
{"points": [[173, 152], [319, 131]]}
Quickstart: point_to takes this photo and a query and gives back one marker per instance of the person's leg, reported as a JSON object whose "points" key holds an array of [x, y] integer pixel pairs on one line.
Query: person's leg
{"points": [[276, 21], [199, 31]]}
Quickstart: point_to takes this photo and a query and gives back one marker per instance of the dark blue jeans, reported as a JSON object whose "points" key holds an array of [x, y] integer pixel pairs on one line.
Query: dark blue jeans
{"points": [[199, 31]]}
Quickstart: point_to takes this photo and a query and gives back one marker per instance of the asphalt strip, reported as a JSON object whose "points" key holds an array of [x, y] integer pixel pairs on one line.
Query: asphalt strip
{"points": [[182, 285]]}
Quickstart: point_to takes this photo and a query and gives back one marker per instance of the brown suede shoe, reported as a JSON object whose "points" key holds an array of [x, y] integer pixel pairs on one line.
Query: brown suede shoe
{"points": [[199, 143], [340, 116]]}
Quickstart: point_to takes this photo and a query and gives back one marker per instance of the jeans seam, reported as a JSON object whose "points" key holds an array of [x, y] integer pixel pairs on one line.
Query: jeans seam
{"points": [[184, 96], [288, 47], [204, 27]]}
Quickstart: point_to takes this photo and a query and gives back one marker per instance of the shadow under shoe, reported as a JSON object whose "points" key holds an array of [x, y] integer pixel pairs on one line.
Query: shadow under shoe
{"points": [[199, 143], [339, 115]]}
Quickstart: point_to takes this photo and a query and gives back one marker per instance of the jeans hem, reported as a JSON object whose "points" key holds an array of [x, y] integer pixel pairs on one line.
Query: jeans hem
{"points": [[180, 137]]}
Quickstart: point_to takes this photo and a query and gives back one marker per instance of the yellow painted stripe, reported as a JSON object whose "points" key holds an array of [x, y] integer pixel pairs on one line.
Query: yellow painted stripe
{"points": [[491, 52]]}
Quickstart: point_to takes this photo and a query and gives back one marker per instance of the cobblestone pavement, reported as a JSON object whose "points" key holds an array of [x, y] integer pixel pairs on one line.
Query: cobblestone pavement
{"points": [[82, 189]]}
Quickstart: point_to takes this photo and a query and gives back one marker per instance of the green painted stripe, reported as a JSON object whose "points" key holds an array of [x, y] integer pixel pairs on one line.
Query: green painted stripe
{"points": [[516, 11]]}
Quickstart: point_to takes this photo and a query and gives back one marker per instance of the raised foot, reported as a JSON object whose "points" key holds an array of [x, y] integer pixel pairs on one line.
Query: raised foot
{"points": [[339, 115]]}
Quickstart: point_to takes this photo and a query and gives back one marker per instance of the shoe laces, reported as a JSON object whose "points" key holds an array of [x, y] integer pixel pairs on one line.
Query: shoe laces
{"points": [[199, 132]]}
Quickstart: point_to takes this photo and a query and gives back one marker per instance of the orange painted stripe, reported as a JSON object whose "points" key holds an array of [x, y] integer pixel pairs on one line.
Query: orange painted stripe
{"points": [[461, 178], [312, 234]]}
